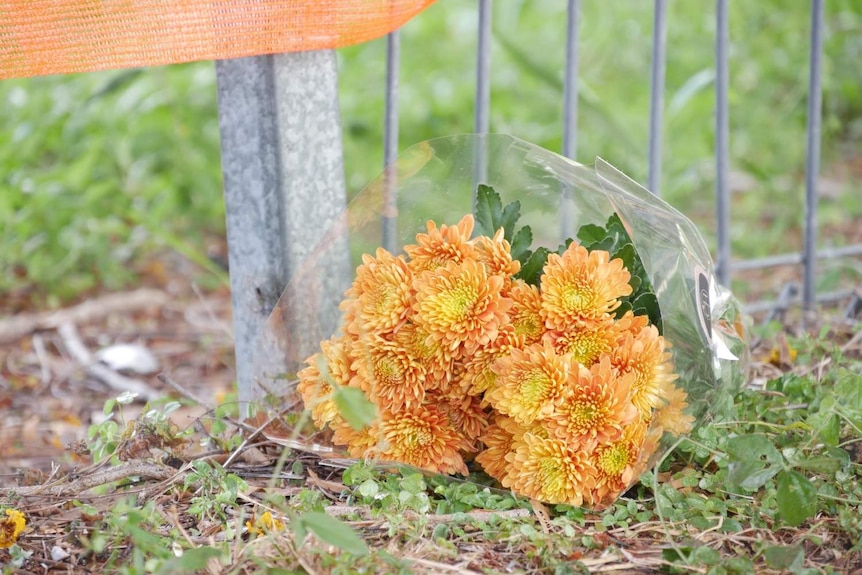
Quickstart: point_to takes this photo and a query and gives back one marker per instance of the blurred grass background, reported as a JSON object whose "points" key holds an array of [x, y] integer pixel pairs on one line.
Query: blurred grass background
{"points": [[99, 171]]}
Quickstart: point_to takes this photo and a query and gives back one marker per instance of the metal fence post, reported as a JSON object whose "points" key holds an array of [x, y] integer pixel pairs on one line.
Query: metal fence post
{"points": [[283, 181], [659, 44], [722, 142], [482, 119], [812, 157]]}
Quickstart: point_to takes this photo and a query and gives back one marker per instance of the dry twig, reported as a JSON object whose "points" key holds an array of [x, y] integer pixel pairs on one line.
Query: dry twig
{"points": [[14, 328], [99, 477], [112, 379]]}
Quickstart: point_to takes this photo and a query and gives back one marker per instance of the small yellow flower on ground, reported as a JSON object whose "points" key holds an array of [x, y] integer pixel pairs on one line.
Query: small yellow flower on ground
{"points": [[11, 527], [264, 524]]}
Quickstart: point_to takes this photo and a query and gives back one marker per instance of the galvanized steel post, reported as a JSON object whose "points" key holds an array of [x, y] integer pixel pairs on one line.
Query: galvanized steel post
{"points": [[659, 43], [812, 160], [390, 141], [283, 182], [722, 142], [482, 120]]}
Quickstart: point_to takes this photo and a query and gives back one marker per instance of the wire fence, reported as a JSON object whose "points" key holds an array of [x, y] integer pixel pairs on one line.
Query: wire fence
{"points": [[791, 294]]}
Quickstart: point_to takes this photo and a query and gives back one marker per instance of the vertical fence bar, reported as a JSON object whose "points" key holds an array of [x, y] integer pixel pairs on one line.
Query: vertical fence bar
{"points": [[570, 114], [659, 41], [483, 88], [570, 88], [812, 160], [390, 141], [722, 139]]}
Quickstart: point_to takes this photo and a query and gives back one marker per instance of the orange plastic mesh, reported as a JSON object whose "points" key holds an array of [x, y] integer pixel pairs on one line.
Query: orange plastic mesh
{"points": [[39, 37]]}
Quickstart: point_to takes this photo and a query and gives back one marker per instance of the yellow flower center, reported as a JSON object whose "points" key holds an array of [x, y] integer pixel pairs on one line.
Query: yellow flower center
{"points": [[614, 460], [585, 349], [529, 326], [415, 435], [457, 303], [486, 379], [576, 297], [535, 386], [585, 414], [382, 298], [387, 371], [552, 477]]}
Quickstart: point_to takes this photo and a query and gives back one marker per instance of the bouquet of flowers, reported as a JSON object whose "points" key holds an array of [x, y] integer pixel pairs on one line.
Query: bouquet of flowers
{"points": [[480, 345]]}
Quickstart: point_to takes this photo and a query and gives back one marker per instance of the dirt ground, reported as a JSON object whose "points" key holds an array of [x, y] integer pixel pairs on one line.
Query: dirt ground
{"points": [[49, 396]]}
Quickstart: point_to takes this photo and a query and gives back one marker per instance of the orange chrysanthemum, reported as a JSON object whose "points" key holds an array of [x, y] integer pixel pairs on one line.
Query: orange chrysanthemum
{"points": [[581, 285], [632, 323], [586, 341], [670, 416], [526, 312], [465, 413], [493, 459], [529, 382], [396, 379], [595, 409], [436, 358], [498, 441], [643, 354], [496, 254], [460, 303], [614, 463], [316, 395], [547, 470], [379, 300], [315, 388], [422, 437], [439, 247], [361, 444], [479, 375], [648, 449]]}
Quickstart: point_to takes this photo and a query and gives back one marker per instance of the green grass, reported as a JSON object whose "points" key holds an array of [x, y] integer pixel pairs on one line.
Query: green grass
{"points": [[98, 169]]}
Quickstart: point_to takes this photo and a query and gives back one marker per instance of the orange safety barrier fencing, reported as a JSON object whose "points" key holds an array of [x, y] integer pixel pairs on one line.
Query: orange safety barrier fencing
{"points": [[40, 37]]}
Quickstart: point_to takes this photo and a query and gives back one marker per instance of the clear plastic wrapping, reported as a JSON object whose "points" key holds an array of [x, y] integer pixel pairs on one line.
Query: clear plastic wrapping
{"points": [[561, 361]]}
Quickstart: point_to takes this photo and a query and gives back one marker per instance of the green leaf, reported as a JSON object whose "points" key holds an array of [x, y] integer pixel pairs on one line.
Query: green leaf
{"points": [[489, 210], [331, 530], [825, 422], [590, 234], [628, 255], [492, 216], [521, 244], [531, 271], [413, 483], [606, 245], [784, 558], [191, 561], [820, 464], [369, 488], [354, 406], [615, 226], [796, 498], [753, 461], [510, 216], [625, 306], [647, 304], [848, 387]]}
